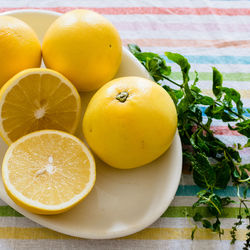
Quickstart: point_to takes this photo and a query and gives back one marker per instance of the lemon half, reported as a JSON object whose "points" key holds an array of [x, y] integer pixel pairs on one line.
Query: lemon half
{"points": [[36, 99], [48, 171]]}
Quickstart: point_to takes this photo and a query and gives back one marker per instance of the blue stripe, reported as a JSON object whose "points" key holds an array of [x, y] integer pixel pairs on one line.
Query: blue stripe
{"points": [[216, 59], [193, 190], [245, 113]]}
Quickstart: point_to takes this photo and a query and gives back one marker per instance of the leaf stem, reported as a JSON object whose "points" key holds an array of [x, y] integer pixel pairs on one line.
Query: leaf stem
{"points": [[177, 84], [230, 110]]}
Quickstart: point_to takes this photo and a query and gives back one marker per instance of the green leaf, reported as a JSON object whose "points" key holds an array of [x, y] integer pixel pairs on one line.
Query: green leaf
{"points": [[216, 227], [243, 128], [195, 89], [205, 100], [182, 62], [193, 232], [236, 174], [196, 79], [245, 195], [171, 92], [219, 113], [203, 173], [245, 166], [206, 224], [178, 93], [234, 154], [215, 205], [217, 83], [197, 217], [223, 174], [232, 94], [155, 64], [134, 48], [226, 201], [247, 144]]}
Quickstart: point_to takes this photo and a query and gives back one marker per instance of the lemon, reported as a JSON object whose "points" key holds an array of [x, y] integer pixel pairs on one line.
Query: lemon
{"points": [[36, 99], [85, 47], [48, 171], [130, 122], [19, 47]]}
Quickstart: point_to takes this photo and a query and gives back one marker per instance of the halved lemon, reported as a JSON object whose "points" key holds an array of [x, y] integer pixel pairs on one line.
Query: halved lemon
{"points": [[48, 171], [36, 99]]}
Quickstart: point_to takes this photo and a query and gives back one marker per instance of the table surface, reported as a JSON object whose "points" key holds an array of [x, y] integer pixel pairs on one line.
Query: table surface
{"points": [[208, 33]]}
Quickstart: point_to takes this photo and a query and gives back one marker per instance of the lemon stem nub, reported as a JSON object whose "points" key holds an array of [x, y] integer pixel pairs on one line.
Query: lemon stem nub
{"points": [[122, 96]]}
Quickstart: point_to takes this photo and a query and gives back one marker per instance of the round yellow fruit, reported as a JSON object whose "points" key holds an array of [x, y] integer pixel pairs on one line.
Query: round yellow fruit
{"points": [[19, 47], [130, 122], [85, 47], [36, 99], [48, 171]]}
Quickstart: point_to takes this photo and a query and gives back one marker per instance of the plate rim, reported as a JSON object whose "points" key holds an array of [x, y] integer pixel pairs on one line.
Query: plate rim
{"points": [[122, 233]]}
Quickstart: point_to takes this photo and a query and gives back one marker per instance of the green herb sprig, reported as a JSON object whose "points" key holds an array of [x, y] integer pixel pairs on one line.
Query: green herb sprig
{"points": [[212, 162]]}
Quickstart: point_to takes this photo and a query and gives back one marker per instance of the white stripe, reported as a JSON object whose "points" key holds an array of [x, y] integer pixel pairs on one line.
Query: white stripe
{"points": [[17, 222], [2, 203], [184, 35], [122, 3], [227, 68], [180, 18], [163, 222], [118, 244], [228, 139], [186, 179], [230, 84]]}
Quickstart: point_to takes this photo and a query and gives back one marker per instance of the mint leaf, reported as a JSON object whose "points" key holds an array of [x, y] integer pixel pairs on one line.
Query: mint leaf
{"points": [[213, 163], [182, 62], [134, 48], [217, 83], [203, 172], [197, 217]]}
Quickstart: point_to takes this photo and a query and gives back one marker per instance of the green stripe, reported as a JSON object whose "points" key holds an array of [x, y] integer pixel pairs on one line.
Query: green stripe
{"points": [[8, 211], [207, 76], [229, 212]]}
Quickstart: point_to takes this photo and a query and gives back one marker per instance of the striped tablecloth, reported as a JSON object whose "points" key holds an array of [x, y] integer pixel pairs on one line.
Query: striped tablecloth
{"points": [[208, 33]]}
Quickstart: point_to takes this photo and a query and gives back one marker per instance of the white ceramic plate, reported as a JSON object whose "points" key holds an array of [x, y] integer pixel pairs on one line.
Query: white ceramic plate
{"points": [[122, 201]]}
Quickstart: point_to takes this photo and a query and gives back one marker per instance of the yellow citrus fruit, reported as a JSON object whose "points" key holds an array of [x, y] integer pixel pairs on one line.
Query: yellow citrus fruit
{"points": [[48, 171], [129, 122], [19, 47], [85, 47], [36, 99]]}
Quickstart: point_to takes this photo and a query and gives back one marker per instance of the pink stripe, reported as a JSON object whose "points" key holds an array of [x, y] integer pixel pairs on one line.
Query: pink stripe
{"points": [[154, 10], [224, 130], [182, 26]]}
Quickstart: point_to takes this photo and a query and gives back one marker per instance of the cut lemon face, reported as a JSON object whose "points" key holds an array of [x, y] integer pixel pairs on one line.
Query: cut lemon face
{"points": [[36, 99], [48, 171]]}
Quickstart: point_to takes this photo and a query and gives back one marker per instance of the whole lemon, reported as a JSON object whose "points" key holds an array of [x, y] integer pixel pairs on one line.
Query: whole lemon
{"points": [[129, 122], [83, 46], [19, 47]]}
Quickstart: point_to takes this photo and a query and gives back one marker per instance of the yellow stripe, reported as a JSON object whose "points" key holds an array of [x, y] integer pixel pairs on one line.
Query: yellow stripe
{"points": [[146, 234], [183, 233], [243, 93]]}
